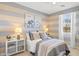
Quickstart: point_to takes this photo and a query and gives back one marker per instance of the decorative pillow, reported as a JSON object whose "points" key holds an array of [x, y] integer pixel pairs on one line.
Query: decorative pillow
{"points": [[36, 35], [31, 36], [43, 35]]}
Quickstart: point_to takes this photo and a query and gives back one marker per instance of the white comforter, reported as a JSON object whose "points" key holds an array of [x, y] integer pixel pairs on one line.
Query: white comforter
{"points": [[31, 45]]}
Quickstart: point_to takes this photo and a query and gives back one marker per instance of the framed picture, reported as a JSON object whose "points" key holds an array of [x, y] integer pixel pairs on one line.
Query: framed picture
{"points": [[31, 24]]}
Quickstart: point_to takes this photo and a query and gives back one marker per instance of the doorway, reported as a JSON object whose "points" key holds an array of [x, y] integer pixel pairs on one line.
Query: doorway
{"points": [[67, 29]]}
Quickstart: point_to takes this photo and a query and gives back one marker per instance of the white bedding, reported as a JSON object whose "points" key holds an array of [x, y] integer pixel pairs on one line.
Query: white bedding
{"points": [[45, 45], [31, 45]]}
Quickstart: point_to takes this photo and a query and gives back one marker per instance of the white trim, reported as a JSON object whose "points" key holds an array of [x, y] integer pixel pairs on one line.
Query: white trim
{"points": [[60, 28], [73, 18], [72, 24]]}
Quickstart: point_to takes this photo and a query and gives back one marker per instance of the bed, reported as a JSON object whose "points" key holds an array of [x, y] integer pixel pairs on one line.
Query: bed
{"points": [[46, 46]]}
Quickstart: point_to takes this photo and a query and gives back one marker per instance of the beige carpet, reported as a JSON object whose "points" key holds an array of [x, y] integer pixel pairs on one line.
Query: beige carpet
{"points": [[74, 52], [25, 53]]}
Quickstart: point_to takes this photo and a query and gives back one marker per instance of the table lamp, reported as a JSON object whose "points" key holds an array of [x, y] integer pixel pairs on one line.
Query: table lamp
{"points": [[18, 31]]}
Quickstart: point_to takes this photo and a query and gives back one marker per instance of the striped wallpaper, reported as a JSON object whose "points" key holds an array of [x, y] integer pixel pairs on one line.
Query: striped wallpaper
{"points": [[52, 23], [13, 17]]}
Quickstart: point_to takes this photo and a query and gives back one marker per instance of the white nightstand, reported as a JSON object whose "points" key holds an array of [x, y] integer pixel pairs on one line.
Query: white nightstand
{"points": [[15, 46]]}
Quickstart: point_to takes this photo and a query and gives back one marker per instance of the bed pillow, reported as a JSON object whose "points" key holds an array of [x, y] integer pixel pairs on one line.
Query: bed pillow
{"points": [[43, 36], [36, 35], [31, 36]]}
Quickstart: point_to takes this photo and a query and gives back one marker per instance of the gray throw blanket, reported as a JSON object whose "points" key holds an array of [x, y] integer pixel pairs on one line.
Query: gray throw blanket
{"points": [[51, 47]]}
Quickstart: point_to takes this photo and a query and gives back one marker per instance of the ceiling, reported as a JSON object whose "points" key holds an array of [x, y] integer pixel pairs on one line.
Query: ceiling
{"points": [[49, 7]]}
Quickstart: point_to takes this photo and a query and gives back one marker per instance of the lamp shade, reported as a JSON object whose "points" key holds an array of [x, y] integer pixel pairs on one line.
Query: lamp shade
{"points": [[18, 30], [45, 28]]}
